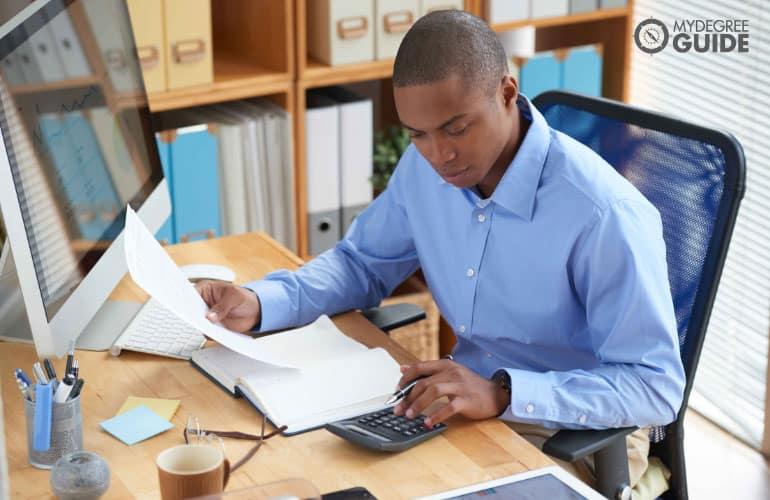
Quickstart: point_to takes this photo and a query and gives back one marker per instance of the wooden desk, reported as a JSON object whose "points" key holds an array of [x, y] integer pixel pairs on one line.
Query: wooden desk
{"points": [[467, 452]]}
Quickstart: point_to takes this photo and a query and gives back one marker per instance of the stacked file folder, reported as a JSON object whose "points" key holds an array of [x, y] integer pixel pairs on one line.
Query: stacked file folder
{"points": [[230, 170]]}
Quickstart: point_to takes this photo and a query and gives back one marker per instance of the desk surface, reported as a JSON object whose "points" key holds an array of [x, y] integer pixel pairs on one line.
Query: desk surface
{"points": [[467, 452]]}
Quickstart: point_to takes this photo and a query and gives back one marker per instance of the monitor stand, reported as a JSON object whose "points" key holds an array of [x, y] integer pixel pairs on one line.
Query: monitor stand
{"points": [[99, 334]]}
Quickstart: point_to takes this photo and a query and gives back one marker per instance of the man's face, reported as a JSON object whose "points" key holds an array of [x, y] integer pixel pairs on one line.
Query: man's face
{"points": [[460, 131]]}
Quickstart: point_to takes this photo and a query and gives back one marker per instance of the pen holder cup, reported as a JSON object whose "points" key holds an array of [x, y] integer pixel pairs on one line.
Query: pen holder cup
{"points": [[66, 432]]}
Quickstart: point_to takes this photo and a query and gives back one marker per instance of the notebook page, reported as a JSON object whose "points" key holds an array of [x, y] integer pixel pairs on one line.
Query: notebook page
{"points": [[326, 387], [308, 345]]}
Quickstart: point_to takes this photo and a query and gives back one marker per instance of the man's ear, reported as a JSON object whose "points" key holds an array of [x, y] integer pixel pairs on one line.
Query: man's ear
{"points": [[510, 91]]}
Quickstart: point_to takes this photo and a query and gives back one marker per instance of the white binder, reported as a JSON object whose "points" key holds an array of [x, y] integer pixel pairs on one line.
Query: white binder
{"points": [[122, 64], [356, 130], [12, 72], [280, 180], [549, 8], [231, 167], [506, 11], [322, 160], [68, 46], [44, 46]]}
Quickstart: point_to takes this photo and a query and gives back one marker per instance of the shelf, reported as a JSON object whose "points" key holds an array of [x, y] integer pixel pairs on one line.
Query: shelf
{"points": [[318, 74], [596, 15], [73, 83], [233, 79]]}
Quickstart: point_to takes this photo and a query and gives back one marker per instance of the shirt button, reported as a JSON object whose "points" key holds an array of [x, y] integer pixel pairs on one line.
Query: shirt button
{"points": [[462, 328], [489, 354], [582, 419], [482, 217], [469, 273], [530, 408]]}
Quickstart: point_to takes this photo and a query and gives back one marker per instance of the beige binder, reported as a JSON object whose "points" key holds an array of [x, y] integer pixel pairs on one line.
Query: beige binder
{"points": [[340, 31], [147, 22], [189, 56], [393, 18]]}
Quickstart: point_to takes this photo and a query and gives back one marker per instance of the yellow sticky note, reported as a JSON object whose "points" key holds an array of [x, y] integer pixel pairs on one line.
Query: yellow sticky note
{"points": [[163, 407]]}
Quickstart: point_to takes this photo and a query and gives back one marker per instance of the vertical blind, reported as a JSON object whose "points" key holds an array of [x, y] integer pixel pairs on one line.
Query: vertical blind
{"points": [[728, 91]]}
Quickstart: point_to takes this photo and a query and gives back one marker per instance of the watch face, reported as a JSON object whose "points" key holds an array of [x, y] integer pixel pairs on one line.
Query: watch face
{"points": [[651, 36]]}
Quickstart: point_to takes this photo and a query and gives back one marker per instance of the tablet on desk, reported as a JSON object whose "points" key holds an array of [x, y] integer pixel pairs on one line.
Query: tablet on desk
{"points": [[548, 482]]}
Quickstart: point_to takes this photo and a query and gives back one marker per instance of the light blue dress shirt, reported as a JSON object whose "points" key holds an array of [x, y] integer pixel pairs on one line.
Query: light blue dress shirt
{"points": [[559, 278]]}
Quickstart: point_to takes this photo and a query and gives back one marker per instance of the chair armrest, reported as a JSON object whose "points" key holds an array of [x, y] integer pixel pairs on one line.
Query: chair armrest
{"points": [[571, 445], [387, 318]]}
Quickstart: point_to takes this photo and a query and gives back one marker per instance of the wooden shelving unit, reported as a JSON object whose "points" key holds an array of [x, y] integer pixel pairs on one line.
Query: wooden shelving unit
{"points": [[596, 15], [253, 55]]}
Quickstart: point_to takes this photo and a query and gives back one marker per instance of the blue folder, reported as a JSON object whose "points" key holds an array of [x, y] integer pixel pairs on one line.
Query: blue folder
{"points": [[166, 231], [540, 73], [195, 184], [583, 71]]}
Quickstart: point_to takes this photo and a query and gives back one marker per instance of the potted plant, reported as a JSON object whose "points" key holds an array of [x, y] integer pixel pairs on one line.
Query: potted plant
{"points": [[389, 145]]}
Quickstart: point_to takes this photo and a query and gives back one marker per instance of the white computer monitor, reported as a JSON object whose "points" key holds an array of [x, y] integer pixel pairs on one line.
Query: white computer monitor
{"points": [[77, 147]]}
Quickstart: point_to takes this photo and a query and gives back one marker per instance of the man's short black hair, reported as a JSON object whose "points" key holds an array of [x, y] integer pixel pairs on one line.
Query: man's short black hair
{"points": [[449, 43]]}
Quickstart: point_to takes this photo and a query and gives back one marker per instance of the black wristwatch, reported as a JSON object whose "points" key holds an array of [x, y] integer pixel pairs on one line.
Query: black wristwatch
{"points": [[503, 379]]}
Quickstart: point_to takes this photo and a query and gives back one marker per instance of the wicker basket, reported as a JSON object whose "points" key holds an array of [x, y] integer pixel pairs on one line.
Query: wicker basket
{"points": [[420, 338]]}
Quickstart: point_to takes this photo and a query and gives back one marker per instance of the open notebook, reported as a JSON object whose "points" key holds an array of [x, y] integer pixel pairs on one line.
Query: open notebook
{"points": [[338, 377]]}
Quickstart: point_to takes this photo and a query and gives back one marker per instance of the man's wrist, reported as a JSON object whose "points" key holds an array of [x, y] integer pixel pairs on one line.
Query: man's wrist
{"points": [[502, 381]]}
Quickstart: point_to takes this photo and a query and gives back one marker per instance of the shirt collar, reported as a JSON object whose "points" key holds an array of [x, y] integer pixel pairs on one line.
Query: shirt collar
{"points": [[518, 187]]}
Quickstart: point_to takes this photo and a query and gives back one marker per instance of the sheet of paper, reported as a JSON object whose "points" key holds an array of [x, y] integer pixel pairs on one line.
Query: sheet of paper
{"points": [[166, 408], [136, 425], [157, 274]]}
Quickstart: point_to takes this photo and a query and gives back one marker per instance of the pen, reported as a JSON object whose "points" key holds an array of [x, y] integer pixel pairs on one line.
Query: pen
{"points": [[70, 355], [24, 388], [49, 369], [23, 376], [404, 391], [75, 368], [37, 371]]}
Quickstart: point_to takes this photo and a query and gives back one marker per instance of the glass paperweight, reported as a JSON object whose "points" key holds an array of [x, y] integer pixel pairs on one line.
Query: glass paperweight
{"points": [[80, 475]]}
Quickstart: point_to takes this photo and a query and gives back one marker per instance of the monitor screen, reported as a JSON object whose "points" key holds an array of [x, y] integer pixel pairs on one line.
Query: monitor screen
{"points": [[75, 125]]}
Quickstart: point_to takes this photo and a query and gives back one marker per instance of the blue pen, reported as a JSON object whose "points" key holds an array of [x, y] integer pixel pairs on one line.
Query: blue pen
{"points": [[41, 437], [23, 376]]}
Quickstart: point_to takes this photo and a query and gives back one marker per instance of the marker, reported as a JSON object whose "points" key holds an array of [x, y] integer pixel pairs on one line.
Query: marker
{"points": [[75, 392], [41, 439], [70, 356], [64, 389]]}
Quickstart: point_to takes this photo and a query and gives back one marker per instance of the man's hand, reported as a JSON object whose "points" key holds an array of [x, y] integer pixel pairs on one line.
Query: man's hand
{"points": [[237, 308], [469, 394]]}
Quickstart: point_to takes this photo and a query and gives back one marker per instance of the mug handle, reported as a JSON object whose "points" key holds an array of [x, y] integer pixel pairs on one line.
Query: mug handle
{"points": [[227, 473]]}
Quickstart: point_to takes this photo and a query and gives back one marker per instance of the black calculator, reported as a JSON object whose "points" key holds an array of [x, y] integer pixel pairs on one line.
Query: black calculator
{"points": [[382, 430]]}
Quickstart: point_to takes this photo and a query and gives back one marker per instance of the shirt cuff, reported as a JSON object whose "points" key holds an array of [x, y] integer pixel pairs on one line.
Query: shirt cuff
{"points": [[273, 300], [530, 399]]}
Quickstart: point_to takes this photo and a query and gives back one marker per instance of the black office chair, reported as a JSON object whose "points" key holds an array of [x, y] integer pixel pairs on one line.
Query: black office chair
{"points": [[695, 178]]}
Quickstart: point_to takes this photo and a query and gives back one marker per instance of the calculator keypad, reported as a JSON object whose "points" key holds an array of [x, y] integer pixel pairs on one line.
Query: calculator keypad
{"points": [[386, 423]]}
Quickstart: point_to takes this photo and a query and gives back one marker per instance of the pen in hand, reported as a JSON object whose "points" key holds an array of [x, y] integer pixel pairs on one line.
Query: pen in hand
{"points": [[404, 391]]}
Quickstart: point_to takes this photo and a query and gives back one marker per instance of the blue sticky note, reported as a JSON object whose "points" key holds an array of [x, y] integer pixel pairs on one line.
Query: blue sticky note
{"points": [[136, 425]]}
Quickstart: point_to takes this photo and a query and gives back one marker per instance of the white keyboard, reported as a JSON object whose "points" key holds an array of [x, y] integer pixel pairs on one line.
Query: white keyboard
{"points": [[156, 330]]}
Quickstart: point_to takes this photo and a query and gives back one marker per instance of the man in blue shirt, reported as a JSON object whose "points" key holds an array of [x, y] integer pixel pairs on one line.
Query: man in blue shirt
{"points": [[549, 266]]}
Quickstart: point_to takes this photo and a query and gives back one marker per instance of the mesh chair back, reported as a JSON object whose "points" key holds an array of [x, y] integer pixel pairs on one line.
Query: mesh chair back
{"points": [[695, 178]]}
